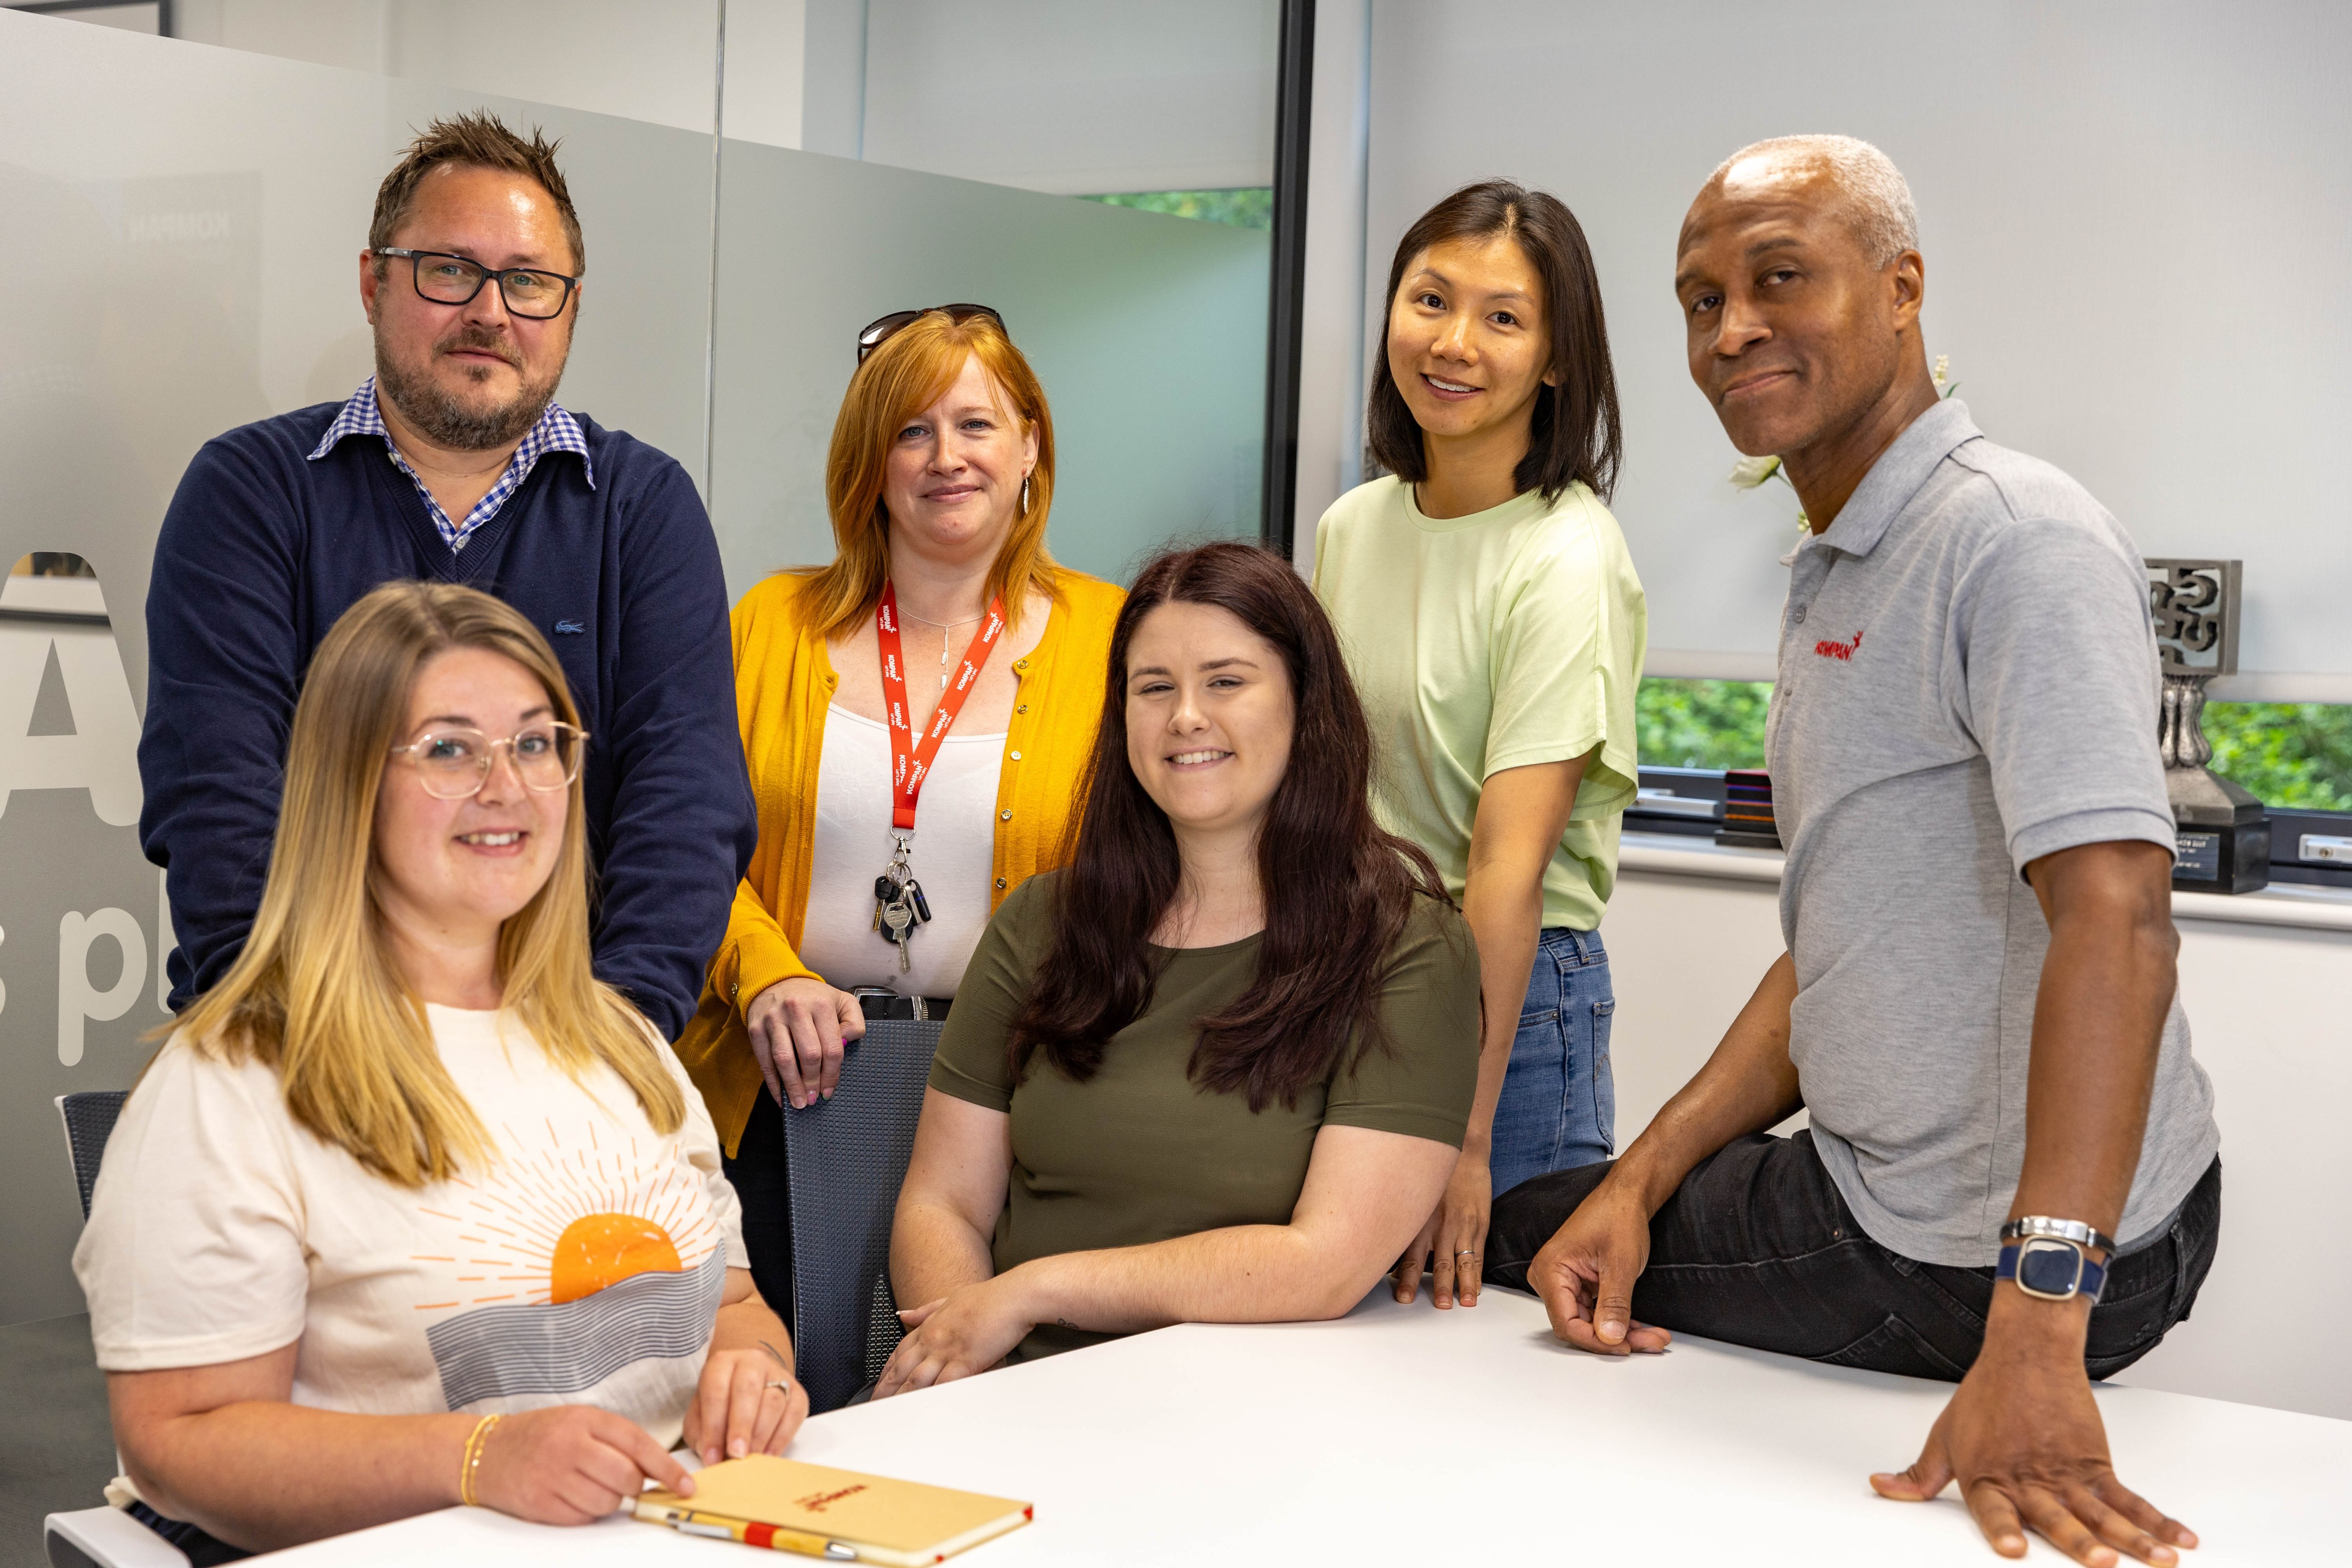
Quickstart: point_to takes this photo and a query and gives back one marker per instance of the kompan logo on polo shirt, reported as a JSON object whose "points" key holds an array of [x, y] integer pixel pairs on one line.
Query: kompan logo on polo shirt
{"points": [[1840, 650]]}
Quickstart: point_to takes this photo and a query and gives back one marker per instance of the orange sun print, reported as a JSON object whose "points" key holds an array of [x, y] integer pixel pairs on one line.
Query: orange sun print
{"points": [[568, 1222]]}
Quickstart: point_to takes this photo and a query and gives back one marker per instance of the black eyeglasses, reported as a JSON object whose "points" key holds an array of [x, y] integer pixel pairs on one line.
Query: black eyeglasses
{"points": [[877, 332], [445, 279]]}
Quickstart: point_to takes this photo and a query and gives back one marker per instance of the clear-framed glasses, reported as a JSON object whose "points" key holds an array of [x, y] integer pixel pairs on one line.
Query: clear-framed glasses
{"points": [[877, 332], [529, 291], [454, 762]]}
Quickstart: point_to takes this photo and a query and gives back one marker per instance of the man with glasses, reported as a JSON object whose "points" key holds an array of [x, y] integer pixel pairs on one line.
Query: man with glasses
{"points": [[454, 463]]}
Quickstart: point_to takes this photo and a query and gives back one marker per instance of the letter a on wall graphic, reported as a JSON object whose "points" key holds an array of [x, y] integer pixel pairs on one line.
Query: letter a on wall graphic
{"points": [[60, 623]]}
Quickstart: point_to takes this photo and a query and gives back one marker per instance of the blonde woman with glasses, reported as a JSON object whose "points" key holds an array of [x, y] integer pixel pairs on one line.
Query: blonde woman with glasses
{"points": [[412, 1209]]}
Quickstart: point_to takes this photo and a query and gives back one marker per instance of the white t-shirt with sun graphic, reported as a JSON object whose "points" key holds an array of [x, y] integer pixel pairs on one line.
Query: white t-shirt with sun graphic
{"points": [[584, 1268]]}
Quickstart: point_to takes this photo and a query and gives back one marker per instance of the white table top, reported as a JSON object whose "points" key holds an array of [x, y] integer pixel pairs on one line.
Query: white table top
{"points": [[1406, 1435]]}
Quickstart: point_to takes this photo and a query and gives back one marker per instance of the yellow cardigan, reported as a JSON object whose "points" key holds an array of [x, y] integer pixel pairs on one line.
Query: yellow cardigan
{"points": [[783, 683]]}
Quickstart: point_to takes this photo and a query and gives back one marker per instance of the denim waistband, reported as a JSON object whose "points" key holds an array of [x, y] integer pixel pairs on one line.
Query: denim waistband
{"points": [[1558, 942]]}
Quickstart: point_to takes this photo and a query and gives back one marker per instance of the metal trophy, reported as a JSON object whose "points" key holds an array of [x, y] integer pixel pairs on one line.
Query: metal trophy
{"points": [[2224, 837]]}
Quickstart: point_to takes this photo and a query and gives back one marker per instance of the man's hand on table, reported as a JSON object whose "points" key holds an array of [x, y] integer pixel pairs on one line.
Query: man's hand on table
{"points": [[1585, 1273], [2022, 1437], [964, 1332]]}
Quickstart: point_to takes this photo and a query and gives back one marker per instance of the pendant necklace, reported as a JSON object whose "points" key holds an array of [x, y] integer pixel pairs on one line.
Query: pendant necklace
{"points": [[946, 629]]}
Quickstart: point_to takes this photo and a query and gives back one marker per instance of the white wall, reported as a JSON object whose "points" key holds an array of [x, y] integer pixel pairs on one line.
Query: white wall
{"points": [[766, 57], [1074, 95], [654, 60], [2130, 211], [1065, 96], [2267, 1017]]}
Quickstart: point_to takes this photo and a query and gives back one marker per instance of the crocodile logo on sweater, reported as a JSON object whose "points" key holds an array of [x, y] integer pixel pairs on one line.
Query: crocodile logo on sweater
{"points": [[570, 628]]}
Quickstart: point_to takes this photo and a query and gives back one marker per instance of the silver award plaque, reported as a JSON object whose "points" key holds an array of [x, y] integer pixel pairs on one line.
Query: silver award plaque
{"points": [[2224, 837]]}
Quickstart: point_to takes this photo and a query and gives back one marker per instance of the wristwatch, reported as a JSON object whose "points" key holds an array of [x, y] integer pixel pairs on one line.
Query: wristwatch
{"points": [[2050, 1257]]}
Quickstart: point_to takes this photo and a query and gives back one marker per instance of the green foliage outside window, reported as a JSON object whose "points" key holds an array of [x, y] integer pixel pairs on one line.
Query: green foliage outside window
{"points": [[1250, 206], [2293, 755], [1702, 723]]}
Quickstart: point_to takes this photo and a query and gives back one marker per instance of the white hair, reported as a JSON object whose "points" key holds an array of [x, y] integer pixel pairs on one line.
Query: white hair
{"points": [[1876, 202]]}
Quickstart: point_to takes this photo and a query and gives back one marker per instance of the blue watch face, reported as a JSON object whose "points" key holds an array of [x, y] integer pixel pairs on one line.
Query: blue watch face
{"points": [[2048, 1268]]}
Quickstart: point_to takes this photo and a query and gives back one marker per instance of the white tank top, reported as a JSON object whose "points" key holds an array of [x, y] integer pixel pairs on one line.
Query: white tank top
{"points": [[954, 857]]}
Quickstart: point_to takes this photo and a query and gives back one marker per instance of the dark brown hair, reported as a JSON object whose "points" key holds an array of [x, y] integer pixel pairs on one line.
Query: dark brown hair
{"points": [[480, 140], [1575, 434], [1338, 888]]}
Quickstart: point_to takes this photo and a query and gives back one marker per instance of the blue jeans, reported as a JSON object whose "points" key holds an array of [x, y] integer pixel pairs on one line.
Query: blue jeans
{"points": [[1559, 1108]]}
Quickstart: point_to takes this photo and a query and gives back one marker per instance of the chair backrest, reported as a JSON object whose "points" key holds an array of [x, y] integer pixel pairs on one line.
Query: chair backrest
{"points": [[90, 1122], [847, 1156]]}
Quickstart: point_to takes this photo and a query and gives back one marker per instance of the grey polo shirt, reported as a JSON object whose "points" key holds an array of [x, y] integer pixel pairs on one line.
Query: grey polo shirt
{"points": [[1967, 681]]}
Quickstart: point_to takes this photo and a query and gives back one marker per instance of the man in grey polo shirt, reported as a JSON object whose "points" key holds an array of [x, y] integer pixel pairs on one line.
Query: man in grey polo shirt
{"points": [[1976, 1005]]}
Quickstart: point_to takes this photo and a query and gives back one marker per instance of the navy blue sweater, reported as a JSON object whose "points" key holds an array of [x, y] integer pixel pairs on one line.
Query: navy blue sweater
{"points": [[263, 550]]}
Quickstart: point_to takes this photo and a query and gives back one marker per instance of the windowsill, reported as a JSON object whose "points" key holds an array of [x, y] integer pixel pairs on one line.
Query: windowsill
{"points": [[2282, 904]]}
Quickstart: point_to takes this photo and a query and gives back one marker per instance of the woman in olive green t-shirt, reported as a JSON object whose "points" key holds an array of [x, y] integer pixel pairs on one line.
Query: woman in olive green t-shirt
{"points": [[1217, 1069]]}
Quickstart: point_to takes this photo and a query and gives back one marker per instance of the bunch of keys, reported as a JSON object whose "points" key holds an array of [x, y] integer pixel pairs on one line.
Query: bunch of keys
{"points": [[899, 903]]}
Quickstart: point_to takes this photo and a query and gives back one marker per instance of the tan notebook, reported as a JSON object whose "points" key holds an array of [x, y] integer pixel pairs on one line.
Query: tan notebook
{"points": [[842, 1515]]}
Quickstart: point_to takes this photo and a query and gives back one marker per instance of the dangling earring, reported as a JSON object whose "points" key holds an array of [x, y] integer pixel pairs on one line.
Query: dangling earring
{"points": [[1024, 495]]}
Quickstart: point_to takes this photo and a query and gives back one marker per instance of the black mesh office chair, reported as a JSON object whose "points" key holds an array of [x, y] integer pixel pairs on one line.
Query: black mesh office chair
{"points": [[98, 1537], [847, 1156], [90, 1121]]}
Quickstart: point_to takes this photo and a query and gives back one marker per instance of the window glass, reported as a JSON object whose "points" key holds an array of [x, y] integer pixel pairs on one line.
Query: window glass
{"points": [[1250, 207], [2292, 755], [1702, 723]]}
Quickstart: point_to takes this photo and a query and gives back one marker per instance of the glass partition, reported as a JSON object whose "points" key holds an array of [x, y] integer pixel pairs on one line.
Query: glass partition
{"points": [[184, 231], [187, 219], [1149, 330], [1148, 333]]}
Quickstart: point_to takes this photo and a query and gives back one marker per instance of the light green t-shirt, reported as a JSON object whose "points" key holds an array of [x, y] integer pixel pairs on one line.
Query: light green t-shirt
{"points": [[1508, 637]]}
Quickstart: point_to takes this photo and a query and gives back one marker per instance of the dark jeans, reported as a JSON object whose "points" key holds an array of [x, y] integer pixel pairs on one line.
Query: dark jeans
{"points": [[204, 1551], [1757, 1247], [764, 1186]]}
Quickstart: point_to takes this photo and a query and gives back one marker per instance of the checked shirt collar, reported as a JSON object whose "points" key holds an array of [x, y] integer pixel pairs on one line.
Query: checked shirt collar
{"points": [[556, 431]]}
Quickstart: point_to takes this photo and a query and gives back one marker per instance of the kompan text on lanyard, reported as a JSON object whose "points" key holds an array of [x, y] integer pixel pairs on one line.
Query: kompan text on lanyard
{"points": [[898, 902]]}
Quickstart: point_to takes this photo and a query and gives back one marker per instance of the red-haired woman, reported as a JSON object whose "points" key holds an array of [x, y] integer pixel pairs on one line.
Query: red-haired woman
{"points": [[1217, 1069], [942, 673]]}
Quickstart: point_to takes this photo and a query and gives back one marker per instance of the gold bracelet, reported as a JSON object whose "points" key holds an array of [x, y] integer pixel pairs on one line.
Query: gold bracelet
{"points": [[475, 1442]]}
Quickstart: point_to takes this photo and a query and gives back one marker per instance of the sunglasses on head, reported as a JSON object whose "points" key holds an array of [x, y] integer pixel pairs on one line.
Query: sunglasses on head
{"points": [[877, 332]]}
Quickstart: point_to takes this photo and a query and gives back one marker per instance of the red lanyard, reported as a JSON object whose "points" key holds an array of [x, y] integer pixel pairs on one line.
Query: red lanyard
{"points": [[909, 763]]}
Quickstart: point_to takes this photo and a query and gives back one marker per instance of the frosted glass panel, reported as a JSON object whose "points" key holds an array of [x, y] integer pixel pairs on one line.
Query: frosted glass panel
{"points": [[184, 226], [1148, 333]]}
